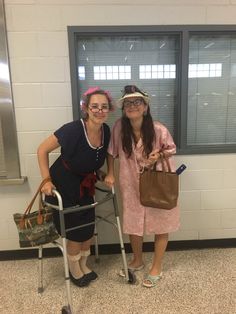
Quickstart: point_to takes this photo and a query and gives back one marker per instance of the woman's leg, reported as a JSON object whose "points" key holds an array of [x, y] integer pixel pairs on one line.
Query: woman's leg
{"points": [[85, 252], [86, 244], [74, 255], [137, 248], [73, 248], [161, 242], [154, 275]]}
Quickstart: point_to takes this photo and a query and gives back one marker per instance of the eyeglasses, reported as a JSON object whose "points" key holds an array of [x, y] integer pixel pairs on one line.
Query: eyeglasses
{"points": [[136, 103], [95, 108]]}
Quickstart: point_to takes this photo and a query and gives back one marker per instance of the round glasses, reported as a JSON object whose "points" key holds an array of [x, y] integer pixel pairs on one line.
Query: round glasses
{"points": [[95, 108], [136, 103]]}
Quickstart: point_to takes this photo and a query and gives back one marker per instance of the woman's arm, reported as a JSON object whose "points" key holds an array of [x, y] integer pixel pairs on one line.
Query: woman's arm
{"points": [[113, 152], [110, 177], [47, 146], [166, 144]]}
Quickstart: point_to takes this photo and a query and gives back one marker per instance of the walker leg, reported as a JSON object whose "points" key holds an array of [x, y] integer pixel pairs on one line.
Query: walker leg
{"points": [[96, 243], [67, 278], [129, 275], [40, 269], [66, 310]]}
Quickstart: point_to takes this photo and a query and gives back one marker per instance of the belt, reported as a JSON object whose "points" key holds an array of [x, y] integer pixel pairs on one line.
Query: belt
{"points": [[88, 181]]}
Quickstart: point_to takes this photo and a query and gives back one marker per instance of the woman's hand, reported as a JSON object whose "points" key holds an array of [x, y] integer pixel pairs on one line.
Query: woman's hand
{"points": [[153, 157], [101, 175], [109, 180], [47, 188]]}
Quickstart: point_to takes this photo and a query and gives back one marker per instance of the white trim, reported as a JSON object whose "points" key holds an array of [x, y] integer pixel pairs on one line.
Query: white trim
{"points": [[86, 135]]}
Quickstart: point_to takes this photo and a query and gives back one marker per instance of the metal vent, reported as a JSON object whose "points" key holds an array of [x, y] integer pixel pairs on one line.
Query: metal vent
{"points": [[9, 159], [2, 155]]}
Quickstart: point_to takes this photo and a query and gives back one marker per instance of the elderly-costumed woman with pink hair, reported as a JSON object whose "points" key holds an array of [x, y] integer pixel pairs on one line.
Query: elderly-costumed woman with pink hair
{"points": [[83, 144]]}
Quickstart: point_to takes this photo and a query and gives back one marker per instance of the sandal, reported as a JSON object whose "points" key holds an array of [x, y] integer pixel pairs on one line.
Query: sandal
{"points": [[151, 281], [133, 269]]}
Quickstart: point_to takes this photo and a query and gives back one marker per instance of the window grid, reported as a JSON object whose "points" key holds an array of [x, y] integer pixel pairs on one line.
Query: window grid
{"points": [[205, 70], [81, 73], [157, 71], [112, 72]]}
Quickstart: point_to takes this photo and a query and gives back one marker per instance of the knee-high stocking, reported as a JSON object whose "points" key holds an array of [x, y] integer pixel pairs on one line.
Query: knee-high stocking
{"points": [[74, 266], [83, 261]]}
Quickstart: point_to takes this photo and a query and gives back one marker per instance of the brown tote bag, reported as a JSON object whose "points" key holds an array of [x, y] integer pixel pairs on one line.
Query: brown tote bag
{"points": [[159, 188]]}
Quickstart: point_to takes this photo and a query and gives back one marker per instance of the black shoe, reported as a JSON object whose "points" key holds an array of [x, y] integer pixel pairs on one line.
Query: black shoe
{"points": [[91, 276], [80, 282]]}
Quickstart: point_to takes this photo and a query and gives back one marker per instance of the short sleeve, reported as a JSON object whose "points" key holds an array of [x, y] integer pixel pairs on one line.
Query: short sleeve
{"points": [[113, 148], [165, 144], [66, 134], [168, 143], [165, 141]]}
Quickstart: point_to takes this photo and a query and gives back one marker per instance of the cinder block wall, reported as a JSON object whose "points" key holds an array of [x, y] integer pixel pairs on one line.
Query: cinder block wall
{"points": [[39, 61]]}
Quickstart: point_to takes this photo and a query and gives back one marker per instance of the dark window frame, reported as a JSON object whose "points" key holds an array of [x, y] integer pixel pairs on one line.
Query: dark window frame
{"points": [[184, 32]]}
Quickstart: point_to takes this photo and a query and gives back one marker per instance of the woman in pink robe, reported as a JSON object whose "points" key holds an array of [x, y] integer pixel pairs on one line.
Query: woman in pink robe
{"points": [[137, 141]]}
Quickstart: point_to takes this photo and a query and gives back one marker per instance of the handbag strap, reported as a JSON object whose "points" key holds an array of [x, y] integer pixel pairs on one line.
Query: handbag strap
{"points": [[164, 160], [28, 209]]}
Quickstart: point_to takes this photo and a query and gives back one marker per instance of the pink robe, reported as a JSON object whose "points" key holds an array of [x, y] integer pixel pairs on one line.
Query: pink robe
{"points": [[137, 219]]}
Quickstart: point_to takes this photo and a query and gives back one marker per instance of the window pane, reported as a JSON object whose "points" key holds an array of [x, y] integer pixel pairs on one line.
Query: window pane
{"points": [[147, 61], [212, 90]]}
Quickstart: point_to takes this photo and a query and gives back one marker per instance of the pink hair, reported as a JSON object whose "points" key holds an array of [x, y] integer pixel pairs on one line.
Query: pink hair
{"points": [[93, 90]]}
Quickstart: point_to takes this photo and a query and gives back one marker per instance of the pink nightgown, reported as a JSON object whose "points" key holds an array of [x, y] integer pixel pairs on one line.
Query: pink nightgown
{"points": [[137, 219]]}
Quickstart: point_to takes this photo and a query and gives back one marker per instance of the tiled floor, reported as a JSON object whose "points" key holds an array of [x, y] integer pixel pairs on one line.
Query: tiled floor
{"points": [[194, 282]]}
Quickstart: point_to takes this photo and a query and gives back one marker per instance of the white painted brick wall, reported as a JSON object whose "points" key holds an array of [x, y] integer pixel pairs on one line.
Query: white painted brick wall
{"points": [[38, 51], [51, 69]]}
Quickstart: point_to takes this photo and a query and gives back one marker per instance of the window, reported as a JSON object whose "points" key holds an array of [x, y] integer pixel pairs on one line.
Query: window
{"points": [[188, 71], [111, 62], [212, 90]]}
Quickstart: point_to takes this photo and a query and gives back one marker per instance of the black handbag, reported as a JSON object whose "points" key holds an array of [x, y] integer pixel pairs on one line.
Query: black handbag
{"points": [[36, 228], [159, 188]]}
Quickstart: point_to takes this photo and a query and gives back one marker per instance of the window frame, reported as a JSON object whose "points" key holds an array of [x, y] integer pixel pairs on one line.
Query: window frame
{"points": [[180, 112]]}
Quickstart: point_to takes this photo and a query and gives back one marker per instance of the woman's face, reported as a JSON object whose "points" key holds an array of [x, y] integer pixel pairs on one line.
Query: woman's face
{"points": [[98, 108], [134, 108]]}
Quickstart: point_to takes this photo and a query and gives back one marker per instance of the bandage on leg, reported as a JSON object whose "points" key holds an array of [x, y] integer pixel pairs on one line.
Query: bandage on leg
{"points": [[74, 265], [89, 274], [83, 262]]}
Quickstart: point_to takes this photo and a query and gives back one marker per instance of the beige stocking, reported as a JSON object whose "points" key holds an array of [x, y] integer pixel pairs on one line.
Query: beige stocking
{"points": [[83, 261], [74, 266]]}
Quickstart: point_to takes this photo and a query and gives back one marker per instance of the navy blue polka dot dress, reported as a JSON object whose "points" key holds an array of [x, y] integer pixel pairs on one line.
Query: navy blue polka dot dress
{"points": [[78, 159]]}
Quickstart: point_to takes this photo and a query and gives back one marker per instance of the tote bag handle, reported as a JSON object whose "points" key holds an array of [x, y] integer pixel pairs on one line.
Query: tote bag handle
{"points": [[164, 160], [28, 209]]}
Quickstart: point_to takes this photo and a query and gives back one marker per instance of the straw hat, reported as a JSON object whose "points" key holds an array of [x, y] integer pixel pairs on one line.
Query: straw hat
{"points": [[133, 93]]}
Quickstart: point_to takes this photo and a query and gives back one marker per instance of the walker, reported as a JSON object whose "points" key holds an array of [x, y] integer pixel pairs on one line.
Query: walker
{"points": [[109, 194]]}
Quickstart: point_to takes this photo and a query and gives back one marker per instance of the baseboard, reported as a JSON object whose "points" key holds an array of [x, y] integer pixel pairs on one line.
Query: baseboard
{"points": [[115, 248]]}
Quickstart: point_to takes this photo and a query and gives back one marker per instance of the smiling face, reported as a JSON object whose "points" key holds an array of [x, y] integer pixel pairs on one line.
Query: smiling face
{"points": [[98, 108], [134, 108]]}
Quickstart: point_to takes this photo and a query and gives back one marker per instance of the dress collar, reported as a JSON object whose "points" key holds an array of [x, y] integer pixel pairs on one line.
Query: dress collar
{"points": [[87, 139]]}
